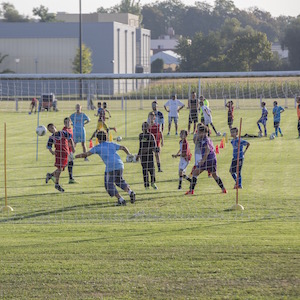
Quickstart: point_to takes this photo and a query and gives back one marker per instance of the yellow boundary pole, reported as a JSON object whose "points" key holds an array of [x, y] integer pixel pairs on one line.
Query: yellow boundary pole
{"points": [[6, 207]]}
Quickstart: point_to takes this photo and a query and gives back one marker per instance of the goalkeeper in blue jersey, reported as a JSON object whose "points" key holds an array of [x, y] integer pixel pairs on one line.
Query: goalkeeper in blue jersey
{"points": [[263, 119], [277, 110]]}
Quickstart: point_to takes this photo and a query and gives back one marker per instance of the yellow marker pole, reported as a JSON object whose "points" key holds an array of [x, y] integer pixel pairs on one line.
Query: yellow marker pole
{"points": [[238, 206], [6, 207]]}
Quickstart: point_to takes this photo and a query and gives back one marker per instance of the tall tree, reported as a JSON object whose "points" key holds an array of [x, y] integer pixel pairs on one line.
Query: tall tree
{"points": [[43, 13], [291, 40], [157, 66], [129, 6], [87, 65], [10, 14]]}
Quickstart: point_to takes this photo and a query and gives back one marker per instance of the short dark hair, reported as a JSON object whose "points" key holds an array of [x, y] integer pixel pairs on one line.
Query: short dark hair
{"points": [[99, 103], [101, 136], [263, 103], [202, 128], [66, 119], [50, 124], [234, 129], [275, 102]]}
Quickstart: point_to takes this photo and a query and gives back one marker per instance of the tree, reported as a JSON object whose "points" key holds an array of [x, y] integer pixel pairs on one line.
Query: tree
{"points": [[248, 49], [291, 40], [157, 66], [10, 14], [43, 13], [2, 57], [87, 65], [153, 19]]}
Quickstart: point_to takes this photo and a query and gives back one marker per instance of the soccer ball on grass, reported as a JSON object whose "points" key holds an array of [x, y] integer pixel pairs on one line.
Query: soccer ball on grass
{"points": [[41, 130], [119, 139], [272, 136]]}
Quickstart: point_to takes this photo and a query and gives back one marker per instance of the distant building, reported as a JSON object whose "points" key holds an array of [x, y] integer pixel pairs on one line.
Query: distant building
{"points": [[276, 47], [170, 58], [169, 41]]}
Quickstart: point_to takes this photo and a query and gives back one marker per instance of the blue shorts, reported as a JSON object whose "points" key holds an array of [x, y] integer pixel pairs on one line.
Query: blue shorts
{"points": [[79, 136], [276, 124], [173, 118], [262, 121], [233, 166], [114, 178]]}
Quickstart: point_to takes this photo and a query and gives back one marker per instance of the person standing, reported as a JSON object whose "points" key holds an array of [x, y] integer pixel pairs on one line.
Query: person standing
{"points": [[205, 103], [159, 116], [263, 119], [277, 110], [230, 117], [173, 106], [114, 167], [79, 119], [193, 106]]}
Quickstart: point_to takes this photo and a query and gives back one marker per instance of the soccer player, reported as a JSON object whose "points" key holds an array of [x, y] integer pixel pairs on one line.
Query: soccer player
{"points": [[185, 155], [147, 147], [230, 118], [277, 110], [298, 114], [208, 161], [206, 103], [175, 106], [101, 125], [61, 140], [79, 119], [159, 137], [33, 105], [263, 119], [233, 168], [193, 106], [114, 167], [68, 128], [159, 116], [207, 116]]}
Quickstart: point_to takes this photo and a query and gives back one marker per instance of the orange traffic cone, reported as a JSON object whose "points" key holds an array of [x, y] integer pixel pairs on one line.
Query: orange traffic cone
{"points": [[222, 144], [217, 149], [91, 144]]}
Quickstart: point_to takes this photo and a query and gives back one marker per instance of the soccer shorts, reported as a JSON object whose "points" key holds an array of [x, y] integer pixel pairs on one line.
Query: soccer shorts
{"points": [[173, 118], [183, 163], [262, 121], [114, 178], [79, 136], [61, 160], [276, 124], [193, 116], [230, 120], [209, 165], [101, 126], [233, 166]]}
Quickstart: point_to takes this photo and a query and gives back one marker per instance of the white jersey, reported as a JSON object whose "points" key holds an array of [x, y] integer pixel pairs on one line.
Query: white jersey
{"points": [[206, 115], [173, 107]]}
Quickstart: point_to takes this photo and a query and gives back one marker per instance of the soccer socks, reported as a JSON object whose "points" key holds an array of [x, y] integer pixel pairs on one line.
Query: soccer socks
{"points": [[219, 182], [70, 169], [187, 178], [279, 130], [233, 176], [259, 127], [158, 166], [265, 131], [276, 131], [193, 183], [180, 182]]}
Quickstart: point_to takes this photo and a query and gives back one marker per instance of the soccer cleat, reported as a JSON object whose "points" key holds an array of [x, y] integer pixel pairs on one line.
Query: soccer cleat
{"points": [[176, 133], [160, 170], [168, 133], [146, 188], [132, 197], [281, 134], [121, 202], [72, 181], [189, 193], [86, 159], [48, 177], [179, 187], [59, 188], [224, 191], [154, 186]]}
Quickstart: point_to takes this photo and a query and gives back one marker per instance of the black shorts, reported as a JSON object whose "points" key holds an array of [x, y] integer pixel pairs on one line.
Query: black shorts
{"points": [[230, 120], [193, 117], [276, 124]]}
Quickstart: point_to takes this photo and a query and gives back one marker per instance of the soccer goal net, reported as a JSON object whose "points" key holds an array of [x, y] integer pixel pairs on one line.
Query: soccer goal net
{"points": [[44, 183]]}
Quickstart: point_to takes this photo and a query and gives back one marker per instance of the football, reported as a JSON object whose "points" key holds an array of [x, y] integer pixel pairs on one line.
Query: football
{"points": [[119, 138], [129, 158], [41, 130], [272, 136], [218, 133]]}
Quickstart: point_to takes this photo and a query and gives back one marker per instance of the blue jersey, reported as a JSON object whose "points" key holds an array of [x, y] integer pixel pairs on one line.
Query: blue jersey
{"points": [[234, 144], [78, 121], [277, 112], [108, 153], [264, 114]]}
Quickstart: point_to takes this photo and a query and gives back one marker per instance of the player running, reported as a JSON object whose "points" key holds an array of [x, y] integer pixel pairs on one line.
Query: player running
{"points": [[114, 167], [185, 156], [62, 141], [208, 161]]}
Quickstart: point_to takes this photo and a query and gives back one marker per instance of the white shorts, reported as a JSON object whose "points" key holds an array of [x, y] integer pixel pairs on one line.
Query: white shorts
{"points": [[183, 163], [198, 157]]}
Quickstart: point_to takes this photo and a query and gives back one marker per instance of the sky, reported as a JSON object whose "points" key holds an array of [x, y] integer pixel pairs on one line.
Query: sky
{"points": [[275, 7]]}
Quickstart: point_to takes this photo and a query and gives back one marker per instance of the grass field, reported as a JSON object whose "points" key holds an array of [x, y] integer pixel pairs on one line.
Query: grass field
{"points": [[78, 245]]}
